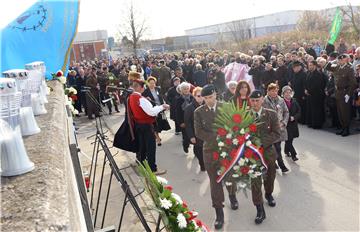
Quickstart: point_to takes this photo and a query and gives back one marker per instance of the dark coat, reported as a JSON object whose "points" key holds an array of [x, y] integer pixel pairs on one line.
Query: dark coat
{"points": [[257, 75], [188, 72], [180, 110], [189, 119], [269, 77], [281, 74], [292, 126], [228, 96], [315, 85], [219, 82], [199, 78], [171, 97]]}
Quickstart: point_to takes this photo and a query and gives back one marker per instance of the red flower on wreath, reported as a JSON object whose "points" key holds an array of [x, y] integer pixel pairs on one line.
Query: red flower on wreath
{"points": [[184, 205], [248, 153], [252, 128], [241, 139], [74, 97], [244, 170], [221, 132], [235, 128], [59, 73], [215, 156], [237, 118], [225, 163], [233, 153], [228, 141], [198, 223], [168, 187], [261, 150]]}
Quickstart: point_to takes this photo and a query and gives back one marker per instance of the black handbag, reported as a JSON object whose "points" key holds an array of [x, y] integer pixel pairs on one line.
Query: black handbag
{"points": [[125, 138]]}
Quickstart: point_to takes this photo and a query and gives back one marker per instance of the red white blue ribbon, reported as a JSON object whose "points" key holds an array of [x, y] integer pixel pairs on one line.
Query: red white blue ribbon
{"points": [[239, 154]]}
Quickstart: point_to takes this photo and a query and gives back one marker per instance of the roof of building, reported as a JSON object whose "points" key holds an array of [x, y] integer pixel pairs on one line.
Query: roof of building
{"points": [[91, 36]]}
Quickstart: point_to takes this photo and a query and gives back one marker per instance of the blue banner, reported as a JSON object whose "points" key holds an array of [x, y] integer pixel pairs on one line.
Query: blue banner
{"points": [[44, 32]]}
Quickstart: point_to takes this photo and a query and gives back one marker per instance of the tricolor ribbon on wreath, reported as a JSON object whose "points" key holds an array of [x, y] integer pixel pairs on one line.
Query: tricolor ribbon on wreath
{"points": [[239, 154]]}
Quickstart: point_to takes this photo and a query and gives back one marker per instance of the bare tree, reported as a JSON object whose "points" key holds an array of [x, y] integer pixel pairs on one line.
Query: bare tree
{"points": [[133, 28], [239, 30], [352, 14], [312, 21]]}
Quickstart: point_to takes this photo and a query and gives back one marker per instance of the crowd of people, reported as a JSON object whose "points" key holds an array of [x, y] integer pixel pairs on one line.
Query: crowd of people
{"points": [[305, 85]]}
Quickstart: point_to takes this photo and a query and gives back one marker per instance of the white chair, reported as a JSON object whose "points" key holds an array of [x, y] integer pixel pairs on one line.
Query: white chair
{"points": [[14, 159], [39, 66], [28, 123], [38, 104]]}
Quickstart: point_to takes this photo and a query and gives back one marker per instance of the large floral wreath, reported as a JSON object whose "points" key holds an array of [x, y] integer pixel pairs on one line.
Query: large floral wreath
{"points": [[175, 213], [238, 150]]}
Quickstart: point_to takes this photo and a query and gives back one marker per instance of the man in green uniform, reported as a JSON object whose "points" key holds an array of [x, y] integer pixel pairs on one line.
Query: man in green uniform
{"points": [[268, 132], [345, 84], [204, 117]]}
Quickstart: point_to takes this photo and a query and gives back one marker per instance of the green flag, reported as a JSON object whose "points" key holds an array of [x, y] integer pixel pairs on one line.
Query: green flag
{"points": [[335, 27]]}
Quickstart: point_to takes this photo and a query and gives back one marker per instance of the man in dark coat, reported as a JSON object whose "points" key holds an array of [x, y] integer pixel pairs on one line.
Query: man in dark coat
{"points": [[188, 71], [171, 97], [315, 96], [93, 95], [164, 79], [268, 76], [204, 117], [297, 83], [345, 84], [257, 72], [281, 72], [219, 81], [199, 76]]}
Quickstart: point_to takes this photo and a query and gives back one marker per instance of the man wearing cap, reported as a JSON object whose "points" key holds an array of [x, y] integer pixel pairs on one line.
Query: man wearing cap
{"points": [[204, 117], [297, 83], [345, 84], [268, 132], [144, 115]]}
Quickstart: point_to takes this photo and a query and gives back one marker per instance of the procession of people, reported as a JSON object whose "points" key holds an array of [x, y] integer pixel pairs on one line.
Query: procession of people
{"points": [[280, 90]]}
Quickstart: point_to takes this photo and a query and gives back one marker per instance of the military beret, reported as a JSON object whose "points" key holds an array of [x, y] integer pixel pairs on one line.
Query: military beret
{"points": [[296, 63], [342, 56], [207, 90], [256, 94]]}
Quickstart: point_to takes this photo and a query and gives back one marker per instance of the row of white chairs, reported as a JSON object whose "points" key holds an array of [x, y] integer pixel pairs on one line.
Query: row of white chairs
{"points": [[22, 95]]}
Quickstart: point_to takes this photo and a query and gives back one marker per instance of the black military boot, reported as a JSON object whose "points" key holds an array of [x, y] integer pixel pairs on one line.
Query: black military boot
{"points": [[346, 132], [219, 221], [260, 215], [271, 201], [233, 202]]}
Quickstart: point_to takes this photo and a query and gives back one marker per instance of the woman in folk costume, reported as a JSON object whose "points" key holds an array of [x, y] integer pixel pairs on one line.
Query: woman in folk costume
{"points": [[242, 93], [275, 102], [152, 93]]}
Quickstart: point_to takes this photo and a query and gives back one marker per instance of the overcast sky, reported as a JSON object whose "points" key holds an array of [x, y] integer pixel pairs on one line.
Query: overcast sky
{"points": [[169, 17]]}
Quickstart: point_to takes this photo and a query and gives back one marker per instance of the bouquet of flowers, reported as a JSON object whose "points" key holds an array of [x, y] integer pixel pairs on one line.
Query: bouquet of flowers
{"points": [[174, 212], [238, 149]]}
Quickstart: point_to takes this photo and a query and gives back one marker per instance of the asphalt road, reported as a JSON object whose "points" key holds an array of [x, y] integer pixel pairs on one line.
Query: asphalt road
{"points": [[320, 193]]}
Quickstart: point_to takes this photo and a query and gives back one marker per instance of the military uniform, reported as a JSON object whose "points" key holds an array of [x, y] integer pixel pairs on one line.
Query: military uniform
{"points": [[345, 84], [203, 125], [269, 133]]}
